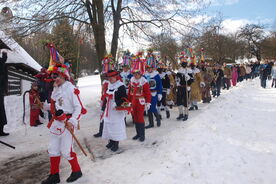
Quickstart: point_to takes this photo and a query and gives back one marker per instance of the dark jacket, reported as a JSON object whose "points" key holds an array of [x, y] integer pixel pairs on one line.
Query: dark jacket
{"points": [[3, 74], [120, 95], [218, 75]]}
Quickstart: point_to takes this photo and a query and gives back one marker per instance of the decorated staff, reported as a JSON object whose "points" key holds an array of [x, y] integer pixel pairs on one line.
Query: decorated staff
{"points": [[140, 97], [184, 79], [155, 83]]}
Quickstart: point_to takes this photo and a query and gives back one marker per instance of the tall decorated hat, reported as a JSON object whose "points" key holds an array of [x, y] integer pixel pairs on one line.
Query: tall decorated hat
{"points": [[108, 64], [60, 69], [183, 58], [192, 57], [138, 64], [126, 59], [151, 59], [160, 64]]}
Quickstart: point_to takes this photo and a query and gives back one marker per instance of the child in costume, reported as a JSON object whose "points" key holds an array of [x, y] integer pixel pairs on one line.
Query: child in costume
{"points": [[35, 105]]}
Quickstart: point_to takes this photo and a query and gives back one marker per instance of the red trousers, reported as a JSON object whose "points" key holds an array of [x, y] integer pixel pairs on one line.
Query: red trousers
{"points": [[138, 111], [34, 116]]}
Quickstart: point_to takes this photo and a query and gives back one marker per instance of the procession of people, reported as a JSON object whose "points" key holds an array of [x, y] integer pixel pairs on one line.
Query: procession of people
{"points": [[142, 86]]}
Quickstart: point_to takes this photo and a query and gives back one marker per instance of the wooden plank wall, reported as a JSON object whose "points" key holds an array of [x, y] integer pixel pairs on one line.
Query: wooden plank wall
{"points": [[15, 78]]}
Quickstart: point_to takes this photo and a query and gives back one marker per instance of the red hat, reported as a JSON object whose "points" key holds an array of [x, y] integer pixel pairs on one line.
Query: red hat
{"points": [[112, 73]]}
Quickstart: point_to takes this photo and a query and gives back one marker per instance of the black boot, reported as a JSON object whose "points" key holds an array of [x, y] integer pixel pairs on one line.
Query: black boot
{"points": [[2, 133], [110, 144], [157, 116], [41, 113], [38, 122], [196, 107], [74, 176], [141, 131], [52, 179], [185, 118], [145, 113], [191, 108], [100, 131], [150, 115], [137, 132], [115, 146], [180, 117], [168, 114]]}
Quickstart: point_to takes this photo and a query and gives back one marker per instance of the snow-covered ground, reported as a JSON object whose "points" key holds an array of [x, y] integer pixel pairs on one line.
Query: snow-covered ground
{"points": [[231, 140]]}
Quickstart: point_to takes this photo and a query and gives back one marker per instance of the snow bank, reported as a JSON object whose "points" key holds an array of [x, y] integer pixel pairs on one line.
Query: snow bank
{"points": [[231, 140]]}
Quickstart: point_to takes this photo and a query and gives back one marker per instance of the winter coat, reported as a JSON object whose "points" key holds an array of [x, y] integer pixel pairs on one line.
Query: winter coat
{"points": [[34, 99], [114, 120], [208, 77], [242, 71], [218, 75], [234, 73], [248, 69], [264, 72], [195, 86], [172, 95], [155, 83], [227, 72], [273, 72], [3, 75], [165, 81], [184, 75], [141, 86]]}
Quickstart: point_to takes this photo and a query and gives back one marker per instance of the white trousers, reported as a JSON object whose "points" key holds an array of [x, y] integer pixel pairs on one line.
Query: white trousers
{"points": [[61, 145]]}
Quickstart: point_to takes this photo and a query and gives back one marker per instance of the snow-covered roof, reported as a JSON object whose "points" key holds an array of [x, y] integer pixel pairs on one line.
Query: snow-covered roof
{"points": [[17, 54]]}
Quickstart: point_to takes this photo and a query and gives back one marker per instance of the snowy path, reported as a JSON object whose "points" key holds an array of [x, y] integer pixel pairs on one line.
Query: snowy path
{"points": [[231, 140]]}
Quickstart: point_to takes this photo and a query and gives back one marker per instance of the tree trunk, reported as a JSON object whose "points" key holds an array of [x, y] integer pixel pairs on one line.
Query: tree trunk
{"points": [[116, 26], [95, 11]]}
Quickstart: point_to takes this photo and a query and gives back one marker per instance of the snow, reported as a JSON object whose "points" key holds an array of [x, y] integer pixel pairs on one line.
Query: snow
{"points": [[231, 140], [17, 54]]}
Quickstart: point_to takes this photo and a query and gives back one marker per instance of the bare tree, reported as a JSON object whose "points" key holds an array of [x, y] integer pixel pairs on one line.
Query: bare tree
{"points": [[269, 46], [168, 48], [136, 17], [254, 35]]}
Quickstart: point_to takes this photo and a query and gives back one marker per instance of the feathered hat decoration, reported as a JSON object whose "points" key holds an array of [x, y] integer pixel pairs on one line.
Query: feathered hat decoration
{"points": [[127, 59], [108, 63], [151, 59], [138, 63]]}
